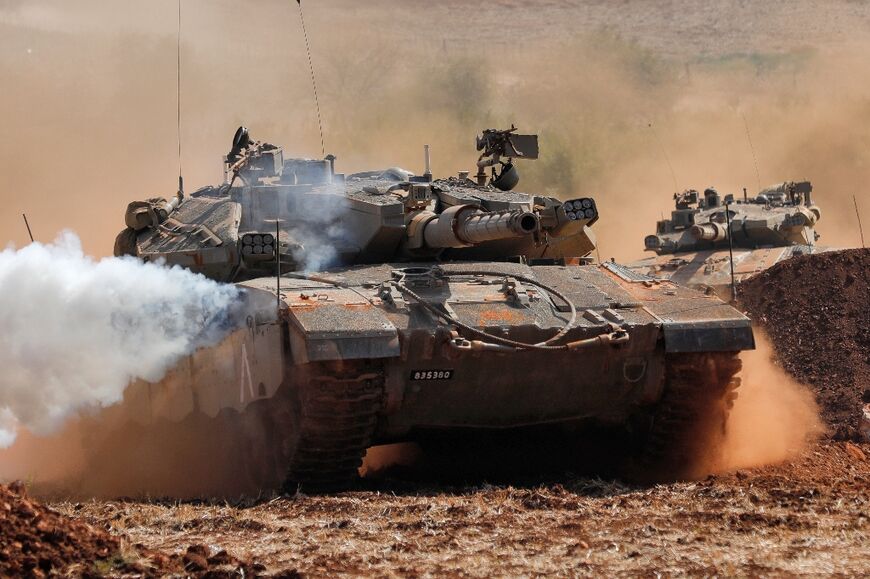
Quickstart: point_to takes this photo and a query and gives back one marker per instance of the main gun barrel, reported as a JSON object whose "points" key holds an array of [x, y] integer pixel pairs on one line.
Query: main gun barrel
{"points": [[482, 227], [709, 232], [467, 225]]}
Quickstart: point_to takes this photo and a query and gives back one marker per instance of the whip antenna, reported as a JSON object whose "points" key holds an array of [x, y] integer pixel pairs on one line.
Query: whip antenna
{"points": [[854, 200], [664, 154], [313, 79], [752, 149], [731, 253], [30, 233], [178, 99]]}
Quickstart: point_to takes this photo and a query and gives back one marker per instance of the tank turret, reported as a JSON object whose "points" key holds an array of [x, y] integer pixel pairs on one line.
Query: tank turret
{"points": [[299, 214], [779, 216]]}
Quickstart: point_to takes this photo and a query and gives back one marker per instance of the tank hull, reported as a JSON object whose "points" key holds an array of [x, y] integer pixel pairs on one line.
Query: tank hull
{"points": [[712, 268], [349, 363]]}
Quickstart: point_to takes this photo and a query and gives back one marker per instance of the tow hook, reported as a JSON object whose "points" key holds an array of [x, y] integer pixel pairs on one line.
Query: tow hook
{"points": [[464, 345], [614, 338]]}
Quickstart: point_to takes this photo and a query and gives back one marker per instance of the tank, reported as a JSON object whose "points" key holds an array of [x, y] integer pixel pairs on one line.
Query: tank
{"points": [[693, 248], [387, 306]]}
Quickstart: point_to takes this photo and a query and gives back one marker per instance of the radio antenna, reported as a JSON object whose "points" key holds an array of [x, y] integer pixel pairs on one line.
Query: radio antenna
{"points": [[30, 233], [857, 214], [731, 252], [752, 149], [178, 99], [313, 79], [664, 154]]}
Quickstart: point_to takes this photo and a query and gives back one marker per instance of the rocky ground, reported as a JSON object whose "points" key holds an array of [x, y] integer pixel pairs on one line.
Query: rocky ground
{"points": [[36, 541]]}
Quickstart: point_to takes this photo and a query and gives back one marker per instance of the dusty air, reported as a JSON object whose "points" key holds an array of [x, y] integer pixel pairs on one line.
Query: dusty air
{"points": [[409, 288]]}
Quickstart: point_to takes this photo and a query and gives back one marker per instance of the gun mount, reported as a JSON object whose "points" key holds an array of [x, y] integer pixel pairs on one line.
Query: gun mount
{"points": [[500, 147]]}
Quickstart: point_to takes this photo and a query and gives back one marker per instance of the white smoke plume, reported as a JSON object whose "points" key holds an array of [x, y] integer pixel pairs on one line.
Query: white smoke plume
{"points": [[318, 242], [76, 331]]}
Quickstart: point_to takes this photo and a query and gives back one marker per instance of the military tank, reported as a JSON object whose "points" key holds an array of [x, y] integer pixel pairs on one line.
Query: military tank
{"points": [[693, 248], [387, 306]]}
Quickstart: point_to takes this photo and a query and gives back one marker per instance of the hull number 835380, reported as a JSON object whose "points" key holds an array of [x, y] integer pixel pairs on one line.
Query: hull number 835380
{"points": [[431, 374]]}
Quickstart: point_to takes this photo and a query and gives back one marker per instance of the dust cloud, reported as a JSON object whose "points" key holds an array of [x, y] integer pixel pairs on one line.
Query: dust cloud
{"points": [[774, 417], [76, 331], [92, 108], [105, 455]]}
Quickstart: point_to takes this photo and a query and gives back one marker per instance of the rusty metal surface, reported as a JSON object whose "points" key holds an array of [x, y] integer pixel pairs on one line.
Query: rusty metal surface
{"points": [[357, 309]]}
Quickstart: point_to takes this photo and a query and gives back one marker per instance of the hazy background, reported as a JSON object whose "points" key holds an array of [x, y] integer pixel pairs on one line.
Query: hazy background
{"points": [[87, 100]]}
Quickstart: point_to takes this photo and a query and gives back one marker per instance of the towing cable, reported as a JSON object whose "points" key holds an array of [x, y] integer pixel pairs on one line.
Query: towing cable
{"points": [[614, 336], [496, 343]]}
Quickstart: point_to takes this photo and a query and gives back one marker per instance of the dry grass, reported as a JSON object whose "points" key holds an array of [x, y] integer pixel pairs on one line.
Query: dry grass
{"points": [[809, 517]]}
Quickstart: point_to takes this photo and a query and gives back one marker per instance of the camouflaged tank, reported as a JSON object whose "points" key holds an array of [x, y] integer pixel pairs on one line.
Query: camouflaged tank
{"points": [[387, 306], [692, 247]]}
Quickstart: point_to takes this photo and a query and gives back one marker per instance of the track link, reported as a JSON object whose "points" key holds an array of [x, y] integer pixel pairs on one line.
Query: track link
{"points": [[688, 427], [338, 414]]}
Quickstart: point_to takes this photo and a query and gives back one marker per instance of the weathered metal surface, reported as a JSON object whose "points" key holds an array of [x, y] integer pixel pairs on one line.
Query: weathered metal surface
{"points": [[713, 268]]}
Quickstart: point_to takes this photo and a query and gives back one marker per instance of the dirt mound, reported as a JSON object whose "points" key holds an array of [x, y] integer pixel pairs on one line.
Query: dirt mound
{"points": [[816, 310], [36, 541]]}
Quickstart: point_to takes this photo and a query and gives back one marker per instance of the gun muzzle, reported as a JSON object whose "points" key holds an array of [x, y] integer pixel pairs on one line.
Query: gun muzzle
{"points": [[652, 241]]}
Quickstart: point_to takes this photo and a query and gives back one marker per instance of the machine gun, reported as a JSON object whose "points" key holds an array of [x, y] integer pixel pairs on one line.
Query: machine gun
{"points": [[498, 144], [251, 161]]}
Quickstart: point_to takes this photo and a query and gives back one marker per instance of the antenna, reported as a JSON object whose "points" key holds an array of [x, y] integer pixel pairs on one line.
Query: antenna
{"points": [[278, 263], [178, 99], [30, 233], [313, 79], [857, 213], [731, 252], [278, 223], [664, 154], [752, 149]]}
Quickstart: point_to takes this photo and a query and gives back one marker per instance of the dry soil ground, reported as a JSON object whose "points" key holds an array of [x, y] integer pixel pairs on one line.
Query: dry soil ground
{"points": [[809, 517]]}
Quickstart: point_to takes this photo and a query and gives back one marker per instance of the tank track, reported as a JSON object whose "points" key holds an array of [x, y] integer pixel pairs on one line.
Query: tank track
{"points": [[688, 426], [338, 414]]}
